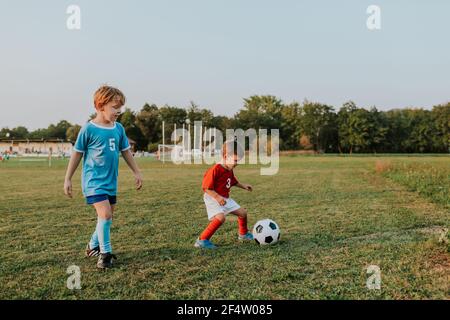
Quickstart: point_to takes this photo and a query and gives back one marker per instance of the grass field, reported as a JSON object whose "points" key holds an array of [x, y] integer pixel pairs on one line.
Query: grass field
{"points": [[338, 215]]}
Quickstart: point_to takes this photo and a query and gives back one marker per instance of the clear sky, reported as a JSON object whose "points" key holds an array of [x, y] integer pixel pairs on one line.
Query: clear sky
{"points": [[217, 52]]}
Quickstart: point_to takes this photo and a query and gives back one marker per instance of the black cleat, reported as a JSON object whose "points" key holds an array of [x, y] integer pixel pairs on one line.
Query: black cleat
{"points": [[105, 260], [92, 252]]}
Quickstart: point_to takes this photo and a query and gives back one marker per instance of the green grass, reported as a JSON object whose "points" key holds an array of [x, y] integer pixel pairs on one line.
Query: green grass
{"points": [[431, 180], [337, 216]]}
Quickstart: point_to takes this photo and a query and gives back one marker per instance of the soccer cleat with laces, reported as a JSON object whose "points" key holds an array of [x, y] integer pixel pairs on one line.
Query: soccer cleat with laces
{"points": [[105, 260]]}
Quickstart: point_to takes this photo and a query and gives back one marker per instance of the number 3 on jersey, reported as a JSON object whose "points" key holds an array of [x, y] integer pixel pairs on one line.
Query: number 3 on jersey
{"points": [[229, 183], [112, 144]]}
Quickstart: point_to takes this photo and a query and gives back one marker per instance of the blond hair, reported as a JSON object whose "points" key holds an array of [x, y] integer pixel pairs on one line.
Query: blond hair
{"points": [[106, 94]]}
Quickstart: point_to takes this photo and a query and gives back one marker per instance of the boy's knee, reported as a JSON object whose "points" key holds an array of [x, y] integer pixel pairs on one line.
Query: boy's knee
{"points": [[220, 217], [243, 213], [105, 214]]}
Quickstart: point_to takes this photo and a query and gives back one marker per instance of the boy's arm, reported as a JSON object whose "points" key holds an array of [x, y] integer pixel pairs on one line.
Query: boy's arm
{"points": [[129, 159], [216, 196], [74, 161], [244, 186]]}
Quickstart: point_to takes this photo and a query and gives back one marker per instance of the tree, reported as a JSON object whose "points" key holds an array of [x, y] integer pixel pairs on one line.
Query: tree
{"points": [[310, 125], [377, 130], [72, 133], [194, 113], [260, 112], [359, 123], [4, 132], [397, 132], [441, 119], [221, 123], [343, 126], [171, 116], [354, 128], [317, 121], [149, 123], [328, 137], [420, 131], [18, 133], [59, 130], [128, 121], [42, 134], [290, 131]]}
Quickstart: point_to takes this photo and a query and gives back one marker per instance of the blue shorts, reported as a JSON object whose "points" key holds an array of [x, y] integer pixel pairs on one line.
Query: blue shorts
{"points": [[101, 197]]}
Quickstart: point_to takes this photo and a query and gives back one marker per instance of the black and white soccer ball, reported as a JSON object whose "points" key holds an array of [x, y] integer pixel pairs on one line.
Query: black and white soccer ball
{"points": [[266, 232]]}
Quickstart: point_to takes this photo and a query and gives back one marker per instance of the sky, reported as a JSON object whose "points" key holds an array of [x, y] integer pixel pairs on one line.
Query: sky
{"points": [[218, 52]]}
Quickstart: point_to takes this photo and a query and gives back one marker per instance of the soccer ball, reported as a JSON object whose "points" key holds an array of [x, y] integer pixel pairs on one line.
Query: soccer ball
{"points": [[266, 232]]}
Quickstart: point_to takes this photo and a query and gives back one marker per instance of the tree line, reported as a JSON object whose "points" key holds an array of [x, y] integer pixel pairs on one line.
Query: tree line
{"points": [[309, 125]]}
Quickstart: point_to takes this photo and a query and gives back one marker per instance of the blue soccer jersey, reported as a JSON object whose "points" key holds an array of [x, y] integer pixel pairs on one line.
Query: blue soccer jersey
{"points": [[100, 147]]}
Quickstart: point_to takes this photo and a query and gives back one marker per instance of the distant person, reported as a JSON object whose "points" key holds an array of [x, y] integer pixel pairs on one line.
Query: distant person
{"points": [[100, 142]]}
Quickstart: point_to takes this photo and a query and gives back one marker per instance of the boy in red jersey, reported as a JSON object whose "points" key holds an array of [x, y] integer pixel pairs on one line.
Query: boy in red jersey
{"points": [[217, 182]]}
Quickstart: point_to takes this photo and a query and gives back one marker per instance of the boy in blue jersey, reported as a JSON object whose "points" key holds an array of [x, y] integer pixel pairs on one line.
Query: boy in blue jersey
{"points": [[99, 143]]}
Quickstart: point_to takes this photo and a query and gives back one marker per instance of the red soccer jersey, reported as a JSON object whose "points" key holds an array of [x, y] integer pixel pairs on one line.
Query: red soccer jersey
{"points": [[219, 179]]}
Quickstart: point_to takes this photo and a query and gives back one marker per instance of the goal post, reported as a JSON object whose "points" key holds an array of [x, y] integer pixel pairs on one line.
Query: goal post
{"points": [[165, 152]]}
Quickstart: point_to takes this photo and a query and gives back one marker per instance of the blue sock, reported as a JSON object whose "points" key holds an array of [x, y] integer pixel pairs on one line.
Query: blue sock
{"points": [[94, 240], [103, 227]]}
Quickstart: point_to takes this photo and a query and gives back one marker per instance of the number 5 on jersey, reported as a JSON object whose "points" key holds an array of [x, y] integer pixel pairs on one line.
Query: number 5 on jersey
{"points": [[112, 144]]}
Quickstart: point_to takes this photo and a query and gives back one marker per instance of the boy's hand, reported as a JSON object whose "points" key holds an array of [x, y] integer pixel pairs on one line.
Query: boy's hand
{"points": [[221, 200], [247, 187], [68, 188], [138, 180]]}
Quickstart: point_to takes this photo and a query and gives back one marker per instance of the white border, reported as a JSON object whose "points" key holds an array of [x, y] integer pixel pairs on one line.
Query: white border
{"points": [[102, 127]]}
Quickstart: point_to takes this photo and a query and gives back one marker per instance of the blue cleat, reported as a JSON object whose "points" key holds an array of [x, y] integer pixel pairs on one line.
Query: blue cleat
{"points": [[204, 244], [248, 236]]}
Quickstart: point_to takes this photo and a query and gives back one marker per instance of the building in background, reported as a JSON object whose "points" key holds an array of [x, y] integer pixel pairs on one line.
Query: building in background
{"points": [[26, 147], [55, 147]]}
